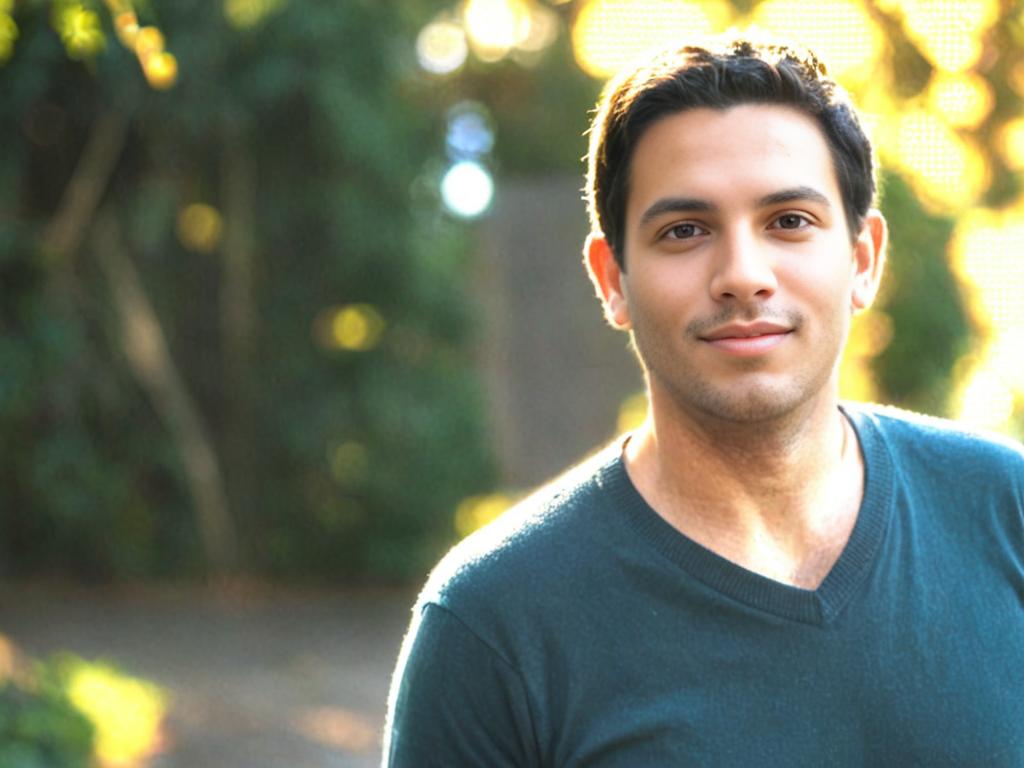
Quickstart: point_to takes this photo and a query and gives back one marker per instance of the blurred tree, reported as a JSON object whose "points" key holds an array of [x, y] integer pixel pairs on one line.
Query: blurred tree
{"points": [[930, 328], [219, 294]]}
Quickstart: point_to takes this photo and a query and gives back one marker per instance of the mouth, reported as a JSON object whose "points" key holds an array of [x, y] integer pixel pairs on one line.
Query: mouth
{"points": [[747, 339]]}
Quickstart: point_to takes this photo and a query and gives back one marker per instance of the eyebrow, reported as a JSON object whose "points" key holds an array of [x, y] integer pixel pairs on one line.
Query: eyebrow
{"points": [[675, 205], [694, 204], [791, 195]]}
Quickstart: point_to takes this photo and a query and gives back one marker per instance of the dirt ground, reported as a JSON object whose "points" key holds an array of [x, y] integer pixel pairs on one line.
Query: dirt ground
{"points": [[257, 677]]}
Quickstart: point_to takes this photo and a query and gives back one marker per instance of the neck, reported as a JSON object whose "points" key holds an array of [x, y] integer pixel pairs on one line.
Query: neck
{"points": [[778, 496]]}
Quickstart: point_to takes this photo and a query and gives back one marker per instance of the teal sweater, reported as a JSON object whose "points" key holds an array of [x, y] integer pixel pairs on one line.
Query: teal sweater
{"points": [[583, 630]]}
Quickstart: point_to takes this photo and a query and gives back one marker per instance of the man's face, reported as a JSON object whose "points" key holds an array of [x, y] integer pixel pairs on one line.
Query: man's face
{"points": [[740, 275]]}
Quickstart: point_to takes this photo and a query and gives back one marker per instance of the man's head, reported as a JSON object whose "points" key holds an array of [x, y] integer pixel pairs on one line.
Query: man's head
{"points": [[694, 77]]}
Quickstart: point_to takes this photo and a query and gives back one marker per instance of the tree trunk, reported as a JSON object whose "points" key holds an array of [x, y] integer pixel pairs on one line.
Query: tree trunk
{"points": [[238, 323], [146, 349]]}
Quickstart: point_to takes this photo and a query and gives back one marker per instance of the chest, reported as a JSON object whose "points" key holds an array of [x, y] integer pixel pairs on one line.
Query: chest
{"points": [[930, 681]]}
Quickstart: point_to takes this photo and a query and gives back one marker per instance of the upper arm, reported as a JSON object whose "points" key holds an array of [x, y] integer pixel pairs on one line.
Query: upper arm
{"points": [[455, 701]]}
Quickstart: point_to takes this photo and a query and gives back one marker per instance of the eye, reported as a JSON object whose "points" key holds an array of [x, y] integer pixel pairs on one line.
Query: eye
{"points": [[791, 221], [684, 231]]}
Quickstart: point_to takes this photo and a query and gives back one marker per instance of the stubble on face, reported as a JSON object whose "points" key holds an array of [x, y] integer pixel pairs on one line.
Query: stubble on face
{"points": [[729, 162], [749, 398]]}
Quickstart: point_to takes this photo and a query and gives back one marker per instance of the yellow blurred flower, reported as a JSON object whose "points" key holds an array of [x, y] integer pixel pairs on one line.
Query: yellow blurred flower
{"points": [[8, 36], [126, 712], [79, 30], [161, 70]]}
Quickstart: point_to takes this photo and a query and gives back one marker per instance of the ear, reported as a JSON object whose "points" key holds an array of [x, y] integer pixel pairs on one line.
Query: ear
{"points": [[606, 275], [868, 260]]}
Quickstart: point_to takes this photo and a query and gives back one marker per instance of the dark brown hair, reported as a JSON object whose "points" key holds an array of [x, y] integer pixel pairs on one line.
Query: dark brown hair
{"points": [[741, 72]]}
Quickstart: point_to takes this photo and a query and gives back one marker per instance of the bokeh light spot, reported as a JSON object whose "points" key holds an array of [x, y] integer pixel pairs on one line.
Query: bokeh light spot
{"points": [[1011, 143], [963, 100], [870, 334], [243, 14], [495, 27], [441, 47], [148, 41], [469, 133], [839, 31], [632, 412], [126, 25], [986, 401], [79, 29], [944, 167], [948, 32], [467, 189], [161, 70], [543, 31], [986, 250], [356, 327], [475, 512], [127, 712], [8, 36], [609, 34], [200, 227]]}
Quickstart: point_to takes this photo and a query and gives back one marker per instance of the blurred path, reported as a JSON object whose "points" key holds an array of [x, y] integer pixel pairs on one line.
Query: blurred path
{"points": [[258, 677]]}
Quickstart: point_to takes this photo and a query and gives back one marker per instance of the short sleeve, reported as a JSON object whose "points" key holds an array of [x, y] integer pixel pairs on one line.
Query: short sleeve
{"points": [[455, 701]]}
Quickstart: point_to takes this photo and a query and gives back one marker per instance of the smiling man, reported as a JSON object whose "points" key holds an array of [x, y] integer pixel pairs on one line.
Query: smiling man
{"points": [[760, 574]]}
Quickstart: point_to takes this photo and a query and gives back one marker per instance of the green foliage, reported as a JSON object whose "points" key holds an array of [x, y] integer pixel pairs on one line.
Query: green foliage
{"points": [[324, 104], [931, 330], [41, 729]]}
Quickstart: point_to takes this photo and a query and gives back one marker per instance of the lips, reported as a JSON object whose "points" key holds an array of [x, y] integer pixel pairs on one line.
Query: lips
{"points": [[747, 339], [746, 331]]}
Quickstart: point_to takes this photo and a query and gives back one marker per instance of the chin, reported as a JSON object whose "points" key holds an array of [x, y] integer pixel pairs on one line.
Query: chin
{"points": [[751, 403]]}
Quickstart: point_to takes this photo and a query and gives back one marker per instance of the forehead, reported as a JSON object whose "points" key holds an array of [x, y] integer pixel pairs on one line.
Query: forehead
{"points": [[729, 157]]}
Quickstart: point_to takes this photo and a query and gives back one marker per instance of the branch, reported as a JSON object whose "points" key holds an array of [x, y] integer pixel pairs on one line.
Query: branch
{"points": [[145, 347], [83, 193]]}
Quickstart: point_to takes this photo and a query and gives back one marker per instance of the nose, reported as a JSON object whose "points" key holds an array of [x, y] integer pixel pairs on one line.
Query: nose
{"points": [[743, 271]]}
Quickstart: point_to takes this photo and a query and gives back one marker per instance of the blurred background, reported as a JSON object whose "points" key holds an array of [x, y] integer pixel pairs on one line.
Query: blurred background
{"points": [[291, 300]]}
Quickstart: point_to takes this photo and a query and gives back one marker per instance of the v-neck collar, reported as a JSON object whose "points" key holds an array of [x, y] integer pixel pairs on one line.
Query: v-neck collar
{"points": [[818, 606]]}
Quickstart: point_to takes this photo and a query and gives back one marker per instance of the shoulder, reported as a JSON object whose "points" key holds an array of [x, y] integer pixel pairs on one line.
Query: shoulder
{"points": [[532, 549], [936, 444]]}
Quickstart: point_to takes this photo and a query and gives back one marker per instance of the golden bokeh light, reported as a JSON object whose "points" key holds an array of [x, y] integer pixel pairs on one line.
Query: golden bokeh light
{"points": [[962, 100], [1016, 78], [986, 255], [945, 168], [1006, 354], [839, 31], [870, 334], [475, 512], [441, 46], [1010, 142], [545, 26], [199, 227], [126, 712], [243, 14], [609, 34], [632, 413], [354, 327], [985, 401], [948, 32], [79, 29], [8, 36], [161, 70], [495, 27], [148, 40], [126, 25], [985, 249]]}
